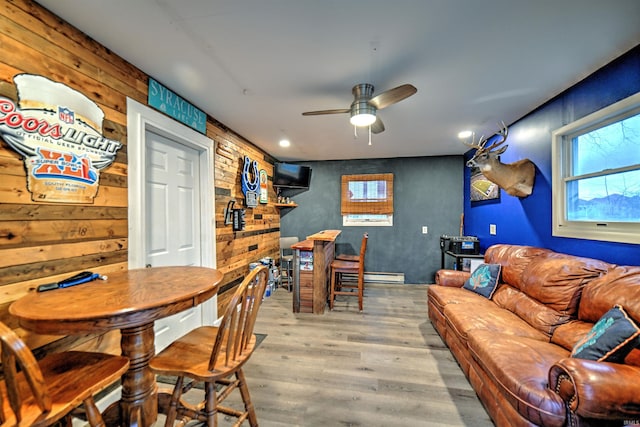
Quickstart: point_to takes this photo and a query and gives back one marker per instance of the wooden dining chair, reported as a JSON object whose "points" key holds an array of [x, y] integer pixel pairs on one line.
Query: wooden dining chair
{"points": [[215, 356], [353, 257], [338, 270], [44, 393]]}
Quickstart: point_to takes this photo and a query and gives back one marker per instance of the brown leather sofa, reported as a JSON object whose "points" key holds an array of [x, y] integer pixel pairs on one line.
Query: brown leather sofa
{"points": [[515, 348]]}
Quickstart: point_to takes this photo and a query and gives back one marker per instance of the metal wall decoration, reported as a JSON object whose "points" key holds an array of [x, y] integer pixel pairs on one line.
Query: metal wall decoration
{"points": [[234, 217], [264, 190], [58, 132], [250, 182]]}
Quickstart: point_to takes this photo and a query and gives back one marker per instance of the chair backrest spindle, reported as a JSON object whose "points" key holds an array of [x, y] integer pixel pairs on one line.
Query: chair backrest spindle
{"points": [[235, 332], [16, 353]]}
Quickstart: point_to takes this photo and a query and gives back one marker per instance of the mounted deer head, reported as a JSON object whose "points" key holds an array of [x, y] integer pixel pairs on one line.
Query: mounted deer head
{"points": [[514, 178]]}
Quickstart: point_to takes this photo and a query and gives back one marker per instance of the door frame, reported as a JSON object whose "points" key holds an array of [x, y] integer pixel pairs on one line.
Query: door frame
{"points": [[141, 119]]}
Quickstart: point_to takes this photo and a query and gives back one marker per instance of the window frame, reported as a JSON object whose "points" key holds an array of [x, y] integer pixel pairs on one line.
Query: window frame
{"points": [[356, 214], [622, 232]]}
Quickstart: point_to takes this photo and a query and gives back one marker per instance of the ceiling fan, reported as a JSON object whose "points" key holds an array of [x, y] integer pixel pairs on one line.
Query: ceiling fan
{"points": [[364, 107]]}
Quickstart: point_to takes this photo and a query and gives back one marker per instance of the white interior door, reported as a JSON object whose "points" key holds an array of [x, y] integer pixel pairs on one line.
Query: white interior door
{"points": [[171, 204], [172, 220]]}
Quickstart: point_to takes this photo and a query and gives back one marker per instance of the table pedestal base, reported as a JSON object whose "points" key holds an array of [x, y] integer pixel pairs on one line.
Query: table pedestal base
{"points": [[138, 406]]}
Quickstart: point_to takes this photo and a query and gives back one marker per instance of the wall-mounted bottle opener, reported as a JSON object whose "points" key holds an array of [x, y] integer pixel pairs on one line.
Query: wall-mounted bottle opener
{"points": [[234, 217]]}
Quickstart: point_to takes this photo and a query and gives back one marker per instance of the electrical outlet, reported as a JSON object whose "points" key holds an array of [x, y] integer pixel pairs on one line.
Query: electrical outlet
{"points": [[492, 229], [425, 229]]}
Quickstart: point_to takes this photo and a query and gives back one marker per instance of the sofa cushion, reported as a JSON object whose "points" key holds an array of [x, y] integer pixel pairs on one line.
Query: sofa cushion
{"points": [[519, 367], [557, 280], [513, 258], [610, 339], [464, 318], [538, 315], [568, 334], [621, 285], [633, 358], [483, 280]]}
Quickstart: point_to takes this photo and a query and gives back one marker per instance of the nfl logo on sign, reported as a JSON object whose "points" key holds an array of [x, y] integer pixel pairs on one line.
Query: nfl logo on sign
{"points": [[66, 115]]}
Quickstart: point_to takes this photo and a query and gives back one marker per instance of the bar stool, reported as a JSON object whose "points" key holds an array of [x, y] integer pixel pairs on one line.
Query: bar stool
{"points": [[286, 261], [356, 257], [340, 267]]}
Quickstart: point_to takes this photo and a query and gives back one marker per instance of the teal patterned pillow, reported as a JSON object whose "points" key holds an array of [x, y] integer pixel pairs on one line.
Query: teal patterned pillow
{"points": [[484, 280], [610, 339]]}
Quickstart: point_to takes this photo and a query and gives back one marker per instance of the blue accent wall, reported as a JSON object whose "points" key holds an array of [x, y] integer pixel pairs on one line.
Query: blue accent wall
{"points": [[528, 221]]}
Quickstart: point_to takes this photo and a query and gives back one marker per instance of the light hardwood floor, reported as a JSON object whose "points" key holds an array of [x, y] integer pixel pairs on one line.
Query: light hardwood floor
{"points": [[384, 367]]}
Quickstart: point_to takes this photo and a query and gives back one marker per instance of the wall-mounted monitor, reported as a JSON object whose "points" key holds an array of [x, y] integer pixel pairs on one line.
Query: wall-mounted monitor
{"points": [[290, 175]]}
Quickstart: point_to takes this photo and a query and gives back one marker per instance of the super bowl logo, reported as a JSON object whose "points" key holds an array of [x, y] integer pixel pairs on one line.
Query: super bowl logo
{"points": [[58, 131], [53, 164]]}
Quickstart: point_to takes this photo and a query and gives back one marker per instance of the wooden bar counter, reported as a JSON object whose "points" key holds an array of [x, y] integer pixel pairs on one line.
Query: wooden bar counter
{"points": [[311, 269]]}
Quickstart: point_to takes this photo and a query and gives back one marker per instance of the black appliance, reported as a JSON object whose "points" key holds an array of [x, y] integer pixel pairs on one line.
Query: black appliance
{"points": [[466, 245]]}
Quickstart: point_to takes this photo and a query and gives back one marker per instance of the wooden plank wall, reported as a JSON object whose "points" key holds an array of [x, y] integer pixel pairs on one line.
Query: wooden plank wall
{"points": [[41, 242], [260, 238]]}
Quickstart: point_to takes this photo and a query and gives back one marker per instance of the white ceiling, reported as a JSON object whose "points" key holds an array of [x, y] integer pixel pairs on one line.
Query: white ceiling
{"points": [[256, 65]]}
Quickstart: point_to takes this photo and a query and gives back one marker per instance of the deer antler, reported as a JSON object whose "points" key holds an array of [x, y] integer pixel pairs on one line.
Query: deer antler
{"points": [[480, 145], [503, 133]]}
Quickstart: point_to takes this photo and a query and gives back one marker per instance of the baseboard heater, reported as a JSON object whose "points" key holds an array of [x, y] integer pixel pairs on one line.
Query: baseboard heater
{"points": [[382, 277], [378, 277]]}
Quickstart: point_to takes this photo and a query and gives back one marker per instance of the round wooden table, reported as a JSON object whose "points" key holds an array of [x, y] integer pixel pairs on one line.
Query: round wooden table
{"points": [[130, 301]]}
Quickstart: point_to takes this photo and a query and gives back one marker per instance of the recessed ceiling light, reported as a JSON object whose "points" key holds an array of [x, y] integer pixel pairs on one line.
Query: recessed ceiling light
{"points": [[284, 143], [465, 134]]}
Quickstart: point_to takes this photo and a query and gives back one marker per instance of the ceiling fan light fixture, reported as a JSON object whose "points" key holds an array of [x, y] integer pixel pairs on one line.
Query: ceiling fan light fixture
{"points": [[362, 114], [364, 109], [362, 120]]}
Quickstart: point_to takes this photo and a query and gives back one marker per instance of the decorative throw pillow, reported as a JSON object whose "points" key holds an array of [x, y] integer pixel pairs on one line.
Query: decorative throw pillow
{"points": [[610, 339], [484, 279]]}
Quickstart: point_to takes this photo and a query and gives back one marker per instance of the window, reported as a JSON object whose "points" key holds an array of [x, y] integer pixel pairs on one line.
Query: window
{"points": [[367, 200], [596, 175]]}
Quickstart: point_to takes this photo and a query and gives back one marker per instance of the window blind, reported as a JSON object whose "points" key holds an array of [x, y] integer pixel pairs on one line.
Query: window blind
{"points": [[367, 194]]}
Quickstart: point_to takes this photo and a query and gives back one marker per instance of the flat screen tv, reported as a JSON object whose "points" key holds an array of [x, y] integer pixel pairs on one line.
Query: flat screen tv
{"points": [[289, 175]]}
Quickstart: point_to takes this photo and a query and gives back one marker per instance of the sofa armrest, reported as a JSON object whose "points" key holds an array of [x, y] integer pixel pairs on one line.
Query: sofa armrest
{"points": [[453, 278], [597, 389]]}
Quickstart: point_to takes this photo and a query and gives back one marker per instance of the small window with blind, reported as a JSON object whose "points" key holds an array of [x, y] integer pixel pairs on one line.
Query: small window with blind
{"points": [[367, 200]]}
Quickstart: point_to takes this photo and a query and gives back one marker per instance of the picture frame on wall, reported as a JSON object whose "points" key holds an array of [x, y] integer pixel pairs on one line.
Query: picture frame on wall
{"points": [[481, 189]]}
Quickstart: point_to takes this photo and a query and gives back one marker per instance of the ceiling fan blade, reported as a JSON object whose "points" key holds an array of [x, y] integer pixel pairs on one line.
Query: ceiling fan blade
{"points": [[377, 126], [392, 96], [320, 112]]}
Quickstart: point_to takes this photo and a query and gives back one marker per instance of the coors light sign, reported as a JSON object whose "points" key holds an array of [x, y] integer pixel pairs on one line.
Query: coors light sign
{"points": [[58, 131]]}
